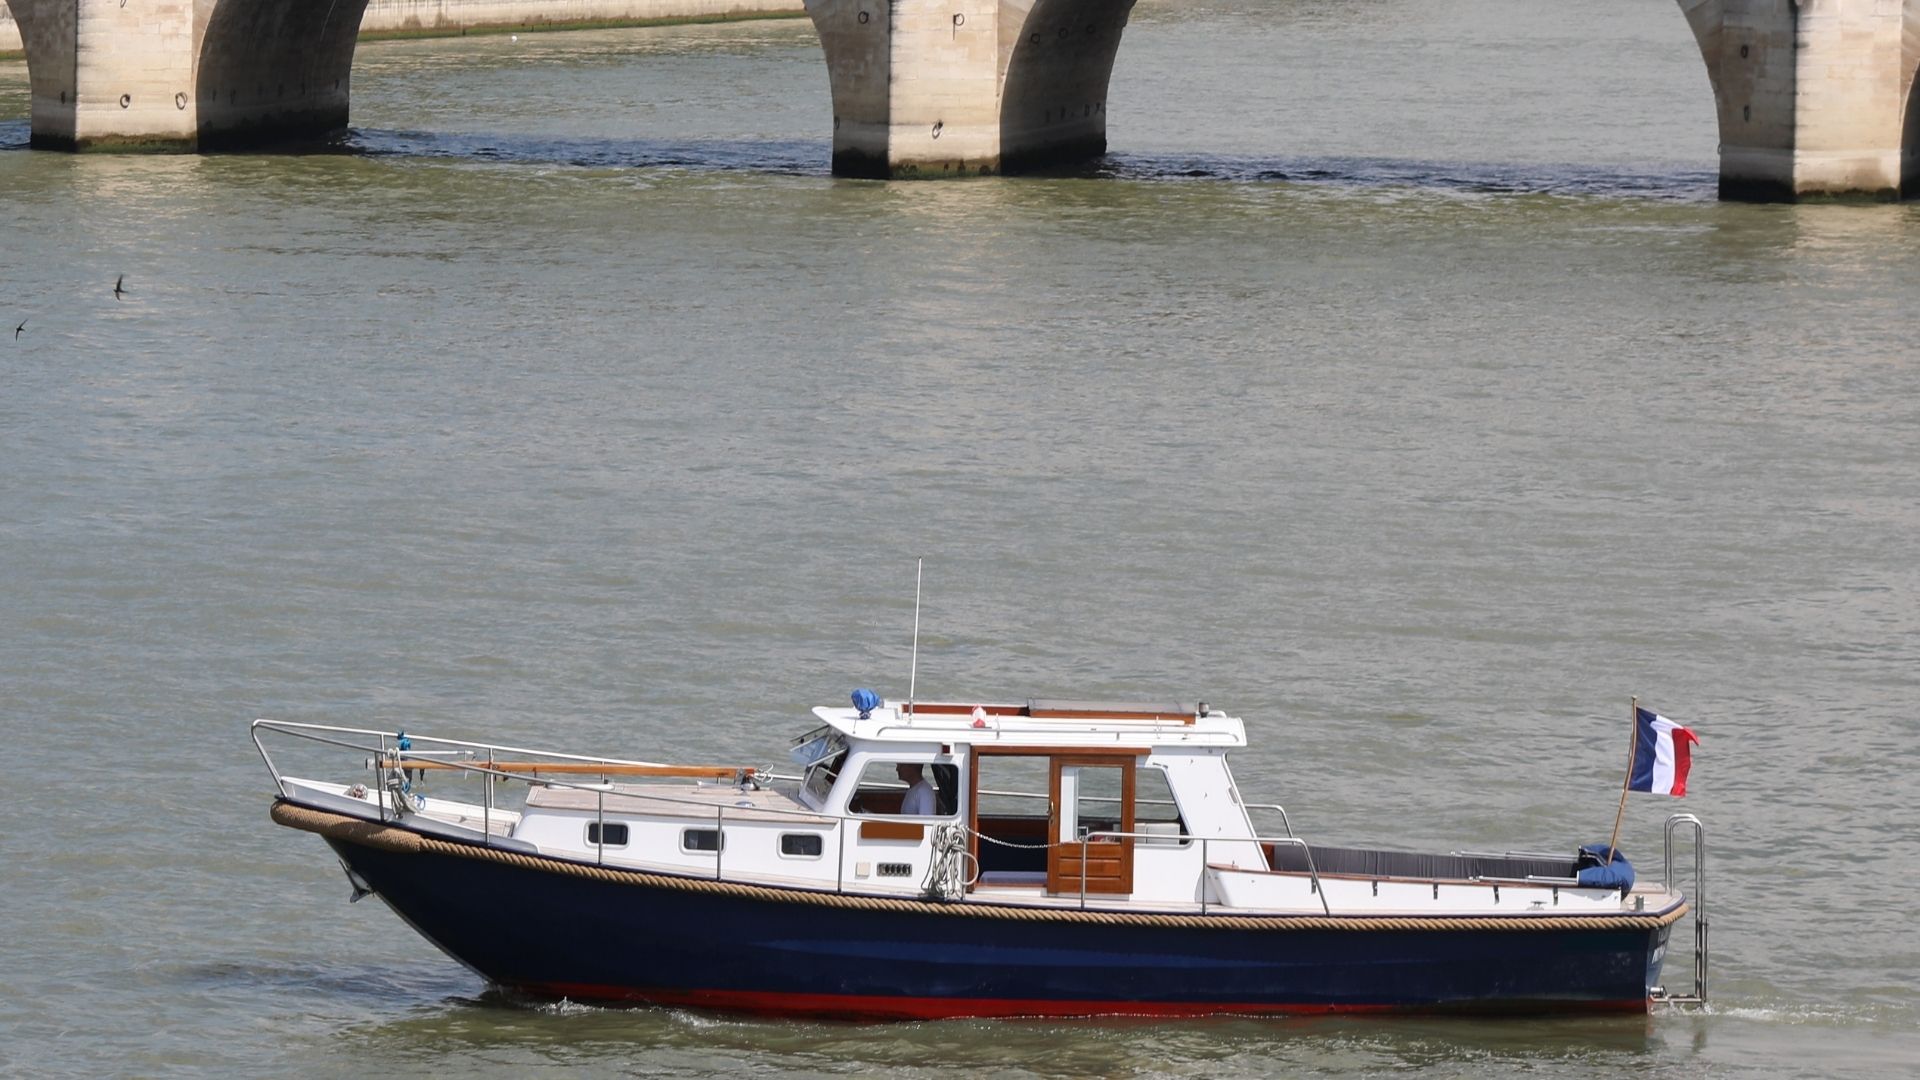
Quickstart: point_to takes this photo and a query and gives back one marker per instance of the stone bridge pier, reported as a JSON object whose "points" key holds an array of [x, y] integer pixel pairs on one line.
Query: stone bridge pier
{"points": [[963, 87], [186, 74], [1815, 97]]}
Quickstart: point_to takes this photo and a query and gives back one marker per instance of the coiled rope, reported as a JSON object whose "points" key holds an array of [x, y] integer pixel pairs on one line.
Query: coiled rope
{"points": [[947, 876]]}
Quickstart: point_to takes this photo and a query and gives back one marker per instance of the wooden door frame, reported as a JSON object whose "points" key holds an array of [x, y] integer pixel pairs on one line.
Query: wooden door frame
{"points": [[1059, 850], [1106, 755]]}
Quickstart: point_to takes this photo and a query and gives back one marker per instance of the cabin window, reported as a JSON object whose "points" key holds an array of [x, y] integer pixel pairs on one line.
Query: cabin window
{"points": [[801, 845], [701, 840], [612, 834], [1013, 786], [821, 752], [886, 786], [820, 778], [1154, 811], [1097, 801]]}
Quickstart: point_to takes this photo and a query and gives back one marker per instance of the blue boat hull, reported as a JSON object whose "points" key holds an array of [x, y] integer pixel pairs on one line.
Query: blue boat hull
{"points": [[540, 930]]}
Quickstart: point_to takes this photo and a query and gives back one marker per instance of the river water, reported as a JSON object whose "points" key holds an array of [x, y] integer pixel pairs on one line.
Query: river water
{"points": [[1398, 385]]}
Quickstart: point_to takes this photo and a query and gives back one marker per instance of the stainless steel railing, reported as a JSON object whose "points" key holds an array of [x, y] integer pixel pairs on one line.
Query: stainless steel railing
{"points": [[382, 753], [483, 759], [1313, 872], [388, 755], [1699, 831]]}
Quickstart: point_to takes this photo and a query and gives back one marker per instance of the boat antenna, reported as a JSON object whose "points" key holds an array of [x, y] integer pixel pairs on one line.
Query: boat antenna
{"points": [[913, 668]]}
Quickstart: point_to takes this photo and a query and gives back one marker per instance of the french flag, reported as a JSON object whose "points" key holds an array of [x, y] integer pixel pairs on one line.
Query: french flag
{"points": [[1663, 755]]}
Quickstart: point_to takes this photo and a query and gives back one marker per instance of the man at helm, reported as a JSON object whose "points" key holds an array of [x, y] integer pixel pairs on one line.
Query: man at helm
{"points": [[919, 800]]}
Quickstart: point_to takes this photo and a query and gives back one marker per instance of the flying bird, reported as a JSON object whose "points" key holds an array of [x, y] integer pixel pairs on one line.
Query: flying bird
{"points": [[118, 292], [18, 329]]}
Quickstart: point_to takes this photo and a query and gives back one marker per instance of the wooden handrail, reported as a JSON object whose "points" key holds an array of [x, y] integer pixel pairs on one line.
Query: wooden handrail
{"points": [[1111, 714], [581, 768], [1052, 712]]}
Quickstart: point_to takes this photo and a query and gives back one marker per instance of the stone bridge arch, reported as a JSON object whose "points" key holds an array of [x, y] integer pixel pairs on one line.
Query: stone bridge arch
{"points": [[1814, 97], [47, 37], [1910, 114], [266, 70], [186, 74], [964, 87], [1058, 65]]}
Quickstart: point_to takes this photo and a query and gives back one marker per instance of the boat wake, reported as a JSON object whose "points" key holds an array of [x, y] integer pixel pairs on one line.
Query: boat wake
{"points": [[563, 1007], [1802, 1013]]}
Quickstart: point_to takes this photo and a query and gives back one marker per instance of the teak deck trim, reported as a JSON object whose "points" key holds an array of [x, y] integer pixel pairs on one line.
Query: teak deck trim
{"points": [[580, 768]]}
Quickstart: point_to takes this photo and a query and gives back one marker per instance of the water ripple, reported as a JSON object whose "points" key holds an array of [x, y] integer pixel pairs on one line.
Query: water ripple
{"points": [[809, 158]]}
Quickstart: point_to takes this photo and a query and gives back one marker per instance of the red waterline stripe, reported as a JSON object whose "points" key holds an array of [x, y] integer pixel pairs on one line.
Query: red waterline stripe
{"points": [[883, 1007]]}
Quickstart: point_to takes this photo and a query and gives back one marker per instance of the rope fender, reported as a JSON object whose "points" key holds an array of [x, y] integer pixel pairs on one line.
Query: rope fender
{"points": [[406, 842]]}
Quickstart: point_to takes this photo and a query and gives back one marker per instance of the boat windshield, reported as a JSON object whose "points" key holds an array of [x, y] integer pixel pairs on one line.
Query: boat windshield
{"points": [[821, 752]]}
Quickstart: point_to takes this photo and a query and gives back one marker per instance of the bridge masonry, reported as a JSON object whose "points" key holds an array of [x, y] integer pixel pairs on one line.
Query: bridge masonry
{"points": [[185, 74], [956, 87], [190, 75], [1813, 97]]}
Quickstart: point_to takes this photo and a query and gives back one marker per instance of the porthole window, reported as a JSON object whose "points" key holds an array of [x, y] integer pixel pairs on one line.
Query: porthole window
{"points": [[701, 840], [609, 835], [801, 845]]}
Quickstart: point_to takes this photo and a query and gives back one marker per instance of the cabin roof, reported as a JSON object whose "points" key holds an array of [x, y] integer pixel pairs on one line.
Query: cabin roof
{"points": [[1039, 722]]}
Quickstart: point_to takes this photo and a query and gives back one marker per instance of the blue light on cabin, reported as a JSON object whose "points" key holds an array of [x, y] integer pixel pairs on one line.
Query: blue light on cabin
{"points": [[866, 701]]}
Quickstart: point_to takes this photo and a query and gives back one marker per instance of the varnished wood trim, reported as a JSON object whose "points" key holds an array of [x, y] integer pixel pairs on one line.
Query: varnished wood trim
{"points": [[952, 708], [973, 816], [1101, 752], [1103, 714], [892, 830], [948, 708], [1109, 863], [582, 768]]}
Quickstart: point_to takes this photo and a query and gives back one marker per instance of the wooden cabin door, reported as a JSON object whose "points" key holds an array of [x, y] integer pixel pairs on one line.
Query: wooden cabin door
{"points": [[1091, 794]]}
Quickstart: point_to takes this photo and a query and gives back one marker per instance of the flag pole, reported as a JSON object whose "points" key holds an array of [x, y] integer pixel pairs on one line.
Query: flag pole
{"points": [[1633, 750]]}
